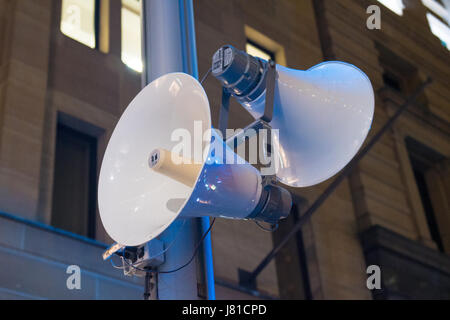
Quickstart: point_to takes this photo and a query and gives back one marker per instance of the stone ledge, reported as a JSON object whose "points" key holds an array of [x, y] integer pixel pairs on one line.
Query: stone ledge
{"points": [[409, 270], [26, 276], [58, 245], [379, 237]]}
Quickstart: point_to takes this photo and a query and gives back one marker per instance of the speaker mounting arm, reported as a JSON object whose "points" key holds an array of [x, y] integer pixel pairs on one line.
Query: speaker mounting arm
{"points": [[270, 91], [246, 78]]}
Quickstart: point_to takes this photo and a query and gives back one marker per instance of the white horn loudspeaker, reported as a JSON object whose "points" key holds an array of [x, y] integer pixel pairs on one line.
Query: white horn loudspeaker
{"points": [[147, 181]]}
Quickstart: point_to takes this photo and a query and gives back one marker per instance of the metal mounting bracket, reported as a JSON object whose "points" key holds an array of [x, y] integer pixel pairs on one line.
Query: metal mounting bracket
{"points": [[261, 123]]}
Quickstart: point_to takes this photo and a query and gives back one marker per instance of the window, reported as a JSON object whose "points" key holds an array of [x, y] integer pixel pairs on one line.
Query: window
{"points": [[131, 34], [258, 51], [439, 29], [78, 21], [74, 184], [392, 81], [398, 74], [396, 6], [261, 46], [424, 163], [438, 8], [438, 18]]}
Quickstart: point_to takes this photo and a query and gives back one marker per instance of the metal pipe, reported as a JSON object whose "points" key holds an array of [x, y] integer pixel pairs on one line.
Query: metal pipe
{"points": [[341, 177], [165, 42], [163, 47], [204, 221], [208, 260]]}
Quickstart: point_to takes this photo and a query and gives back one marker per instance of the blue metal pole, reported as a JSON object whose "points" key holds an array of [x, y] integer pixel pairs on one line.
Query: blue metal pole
{"points": [[208, 261], [205, 221]]}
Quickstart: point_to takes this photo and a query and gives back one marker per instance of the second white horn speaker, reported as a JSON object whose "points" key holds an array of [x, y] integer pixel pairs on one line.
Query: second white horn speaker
{"points": [[323, 114]]}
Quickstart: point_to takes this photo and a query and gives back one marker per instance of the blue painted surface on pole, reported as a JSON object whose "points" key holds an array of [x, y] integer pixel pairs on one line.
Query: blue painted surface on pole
{"points": [[208, 260], [187, 7]]}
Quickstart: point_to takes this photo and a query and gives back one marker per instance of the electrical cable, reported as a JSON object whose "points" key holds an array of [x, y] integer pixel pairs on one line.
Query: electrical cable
{"points": [[171, 244], [206, 76], [195, 251], [115, 266], [274, 227], [197, 247]]}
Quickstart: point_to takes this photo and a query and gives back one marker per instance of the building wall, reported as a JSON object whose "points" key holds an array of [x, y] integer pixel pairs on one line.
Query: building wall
{"points": [[335, 268], [382, 190], [24, 82], [45, 75], [36, 259], [236, 244]]}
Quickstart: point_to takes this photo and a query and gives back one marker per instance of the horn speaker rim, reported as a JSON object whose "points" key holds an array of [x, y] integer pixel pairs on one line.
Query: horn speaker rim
{"points": [[121, 225]]}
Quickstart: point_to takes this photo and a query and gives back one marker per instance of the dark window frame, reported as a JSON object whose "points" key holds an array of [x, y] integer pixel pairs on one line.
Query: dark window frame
{"points": [[97, 13], [262, 48], [92, 176], [423, 158]]}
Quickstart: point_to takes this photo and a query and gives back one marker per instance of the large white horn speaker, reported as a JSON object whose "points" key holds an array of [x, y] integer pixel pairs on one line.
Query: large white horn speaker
{"points": [[142, 186], [323, 114]]}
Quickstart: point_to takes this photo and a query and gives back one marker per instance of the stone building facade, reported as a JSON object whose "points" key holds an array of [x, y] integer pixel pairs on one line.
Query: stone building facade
{"points": [[393, 211]]}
